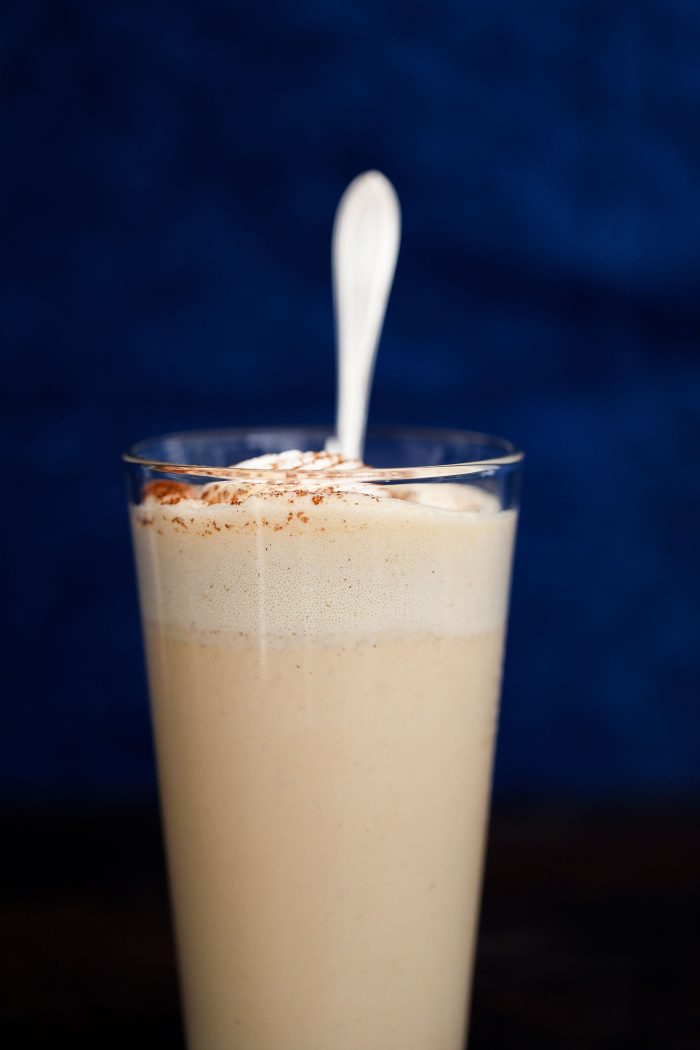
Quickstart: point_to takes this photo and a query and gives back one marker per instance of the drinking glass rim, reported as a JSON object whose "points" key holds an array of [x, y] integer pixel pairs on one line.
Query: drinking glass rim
{"points": [[507, 460]]}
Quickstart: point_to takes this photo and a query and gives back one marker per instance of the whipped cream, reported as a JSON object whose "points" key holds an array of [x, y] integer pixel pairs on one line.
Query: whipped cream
{"points": [[293, 459], [301, 470]]}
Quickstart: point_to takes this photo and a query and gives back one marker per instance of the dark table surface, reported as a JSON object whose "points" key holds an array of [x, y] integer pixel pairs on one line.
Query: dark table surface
{"points": [[588, 938]]}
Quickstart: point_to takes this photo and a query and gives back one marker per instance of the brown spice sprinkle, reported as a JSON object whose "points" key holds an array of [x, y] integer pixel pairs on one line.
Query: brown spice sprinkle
{"points": [[222, 492], [167, 492], [170, 493]]}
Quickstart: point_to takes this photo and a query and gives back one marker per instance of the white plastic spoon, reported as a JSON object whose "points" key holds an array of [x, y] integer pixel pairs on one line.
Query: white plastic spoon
{"points": [[366, 235]]}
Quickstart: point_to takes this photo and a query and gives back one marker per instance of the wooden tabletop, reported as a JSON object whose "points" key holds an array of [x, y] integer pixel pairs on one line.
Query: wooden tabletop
{"points": [[588, 940]]}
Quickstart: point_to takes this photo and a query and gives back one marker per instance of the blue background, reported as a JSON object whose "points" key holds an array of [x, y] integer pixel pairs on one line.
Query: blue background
{"points": [[168, 181]]}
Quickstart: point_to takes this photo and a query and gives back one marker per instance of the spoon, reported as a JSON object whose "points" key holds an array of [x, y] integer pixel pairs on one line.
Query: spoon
{"points": [[366, 235]]}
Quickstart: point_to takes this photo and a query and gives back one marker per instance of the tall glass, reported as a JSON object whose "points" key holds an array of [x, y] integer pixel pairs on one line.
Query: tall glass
{"points": [[324, 658]]}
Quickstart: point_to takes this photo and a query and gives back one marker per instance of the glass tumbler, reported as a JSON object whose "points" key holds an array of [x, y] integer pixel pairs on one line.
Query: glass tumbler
{"points": [[324, 652]]}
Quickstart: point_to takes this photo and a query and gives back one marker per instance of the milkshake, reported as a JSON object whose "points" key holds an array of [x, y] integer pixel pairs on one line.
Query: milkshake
{"points": [[324, 658]]}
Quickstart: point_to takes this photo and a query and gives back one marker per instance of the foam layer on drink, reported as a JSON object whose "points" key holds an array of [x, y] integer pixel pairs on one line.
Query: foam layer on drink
{"points": [[321, 556]]}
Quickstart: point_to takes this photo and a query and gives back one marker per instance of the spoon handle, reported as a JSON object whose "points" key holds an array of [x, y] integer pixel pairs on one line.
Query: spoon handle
{"points": [[366, 236]]}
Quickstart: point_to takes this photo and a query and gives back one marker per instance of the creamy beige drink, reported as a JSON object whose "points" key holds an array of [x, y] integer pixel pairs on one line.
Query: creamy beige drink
{"points": [[324, 663]]}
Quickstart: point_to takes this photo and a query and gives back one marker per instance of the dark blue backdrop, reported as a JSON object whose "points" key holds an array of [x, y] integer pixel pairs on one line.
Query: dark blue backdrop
{"points": [[169, 176]]}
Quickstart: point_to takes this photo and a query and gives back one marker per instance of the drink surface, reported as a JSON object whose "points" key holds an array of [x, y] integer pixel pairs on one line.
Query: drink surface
{"points": [[324, 666]]}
